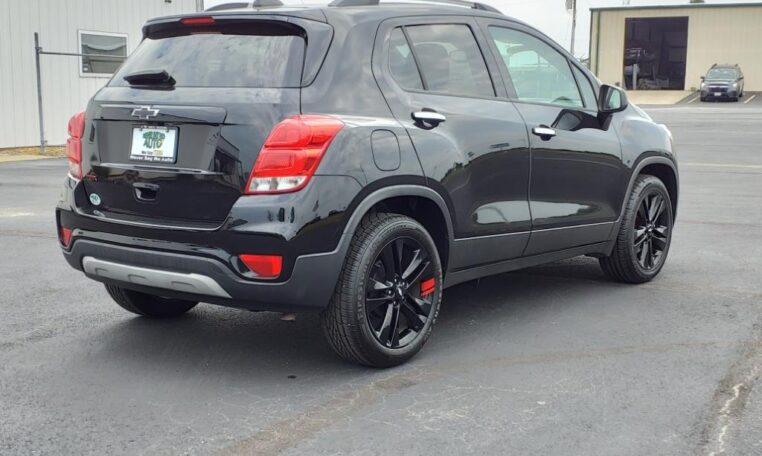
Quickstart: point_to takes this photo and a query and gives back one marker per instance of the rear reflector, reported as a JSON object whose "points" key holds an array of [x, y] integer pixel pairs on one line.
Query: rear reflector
{"points": [[74, 144], [428, 286], [292, 153], [64, 235], [264, 266]]}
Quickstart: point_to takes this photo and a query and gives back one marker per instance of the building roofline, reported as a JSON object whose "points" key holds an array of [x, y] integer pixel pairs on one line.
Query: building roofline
{"points": [[684, 5]]}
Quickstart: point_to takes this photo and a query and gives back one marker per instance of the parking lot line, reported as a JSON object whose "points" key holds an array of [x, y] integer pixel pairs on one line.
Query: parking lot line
{"points": [[750, 98], [722, 165], [692, 100]]}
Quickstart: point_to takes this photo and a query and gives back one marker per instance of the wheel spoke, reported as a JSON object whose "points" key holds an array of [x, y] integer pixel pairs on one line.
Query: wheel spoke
{"points": [[655, 207], [379, 286], [414, 263], [384, 331], [660, 209], [371, 304], [650, 257], [643, 211], [640, 236], [643, 254], [399, 245], [394, 339], [415, 321], [421, 306], [659, 243], [387, 257], [661, 231]]}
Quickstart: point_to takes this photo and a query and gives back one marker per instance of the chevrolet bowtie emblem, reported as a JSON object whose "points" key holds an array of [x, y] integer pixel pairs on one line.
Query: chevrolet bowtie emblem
{"points": [[145, 112]]}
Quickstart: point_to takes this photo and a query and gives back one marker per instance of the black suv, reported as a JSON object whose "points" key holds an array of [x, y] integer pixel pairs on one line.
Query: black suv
{"points": [[722, 82], [355, 159]]}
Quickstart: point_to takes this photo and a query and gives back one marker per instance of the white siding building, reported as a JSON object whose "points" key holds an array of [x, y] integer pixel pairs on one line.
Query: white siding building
{"points": [[109, 29]]}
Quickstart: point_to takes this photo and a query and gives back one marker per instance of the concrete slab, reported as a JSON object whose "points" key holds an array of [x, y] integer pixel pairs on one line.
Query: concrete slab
{"points": [[657, 97]]}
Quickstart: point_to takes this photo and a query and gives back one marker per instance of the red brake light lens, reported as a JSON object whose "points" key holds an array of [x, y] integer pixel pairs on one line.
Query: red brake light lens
{"points": [[197, 21], [292, 153], [74, 144], [264, 266]]}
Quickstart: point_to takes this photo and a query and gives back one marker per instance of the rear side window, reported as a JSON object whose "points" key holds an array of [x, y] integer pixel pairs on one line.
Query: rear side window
{"points": [[450, 60], [401, 62], [224, 58]]}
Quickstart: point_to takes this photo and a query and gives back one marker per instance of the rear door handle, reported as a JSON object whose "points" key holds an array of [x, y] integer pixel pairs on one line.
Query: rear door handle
{"points": [[428, 119], [544, 132]]}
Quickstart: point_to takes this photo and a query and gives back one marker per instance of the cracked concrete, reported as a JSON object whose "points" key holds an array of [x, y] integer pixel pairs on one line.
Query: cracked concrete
{"points": [[554, 360]]}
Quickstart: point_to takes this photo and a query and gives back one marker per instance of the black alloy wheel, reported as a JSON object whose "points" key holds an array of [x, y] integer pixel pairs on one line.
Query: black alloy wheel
{"points": [[399, 290], [389, 293], [645, 233], [652, 225]]}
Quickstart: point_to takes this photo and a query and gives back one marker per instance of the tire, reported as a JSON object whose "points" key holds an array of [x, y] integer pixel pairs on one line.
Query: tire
{"points": [[372, 294], [148, 305], [632, 262]]}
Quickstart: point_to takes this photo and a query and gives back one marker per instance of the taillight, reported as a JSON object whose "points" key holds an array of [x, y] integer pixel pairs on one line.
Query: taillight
{"points": [[264, 266], [292, 153], [74, 144]]}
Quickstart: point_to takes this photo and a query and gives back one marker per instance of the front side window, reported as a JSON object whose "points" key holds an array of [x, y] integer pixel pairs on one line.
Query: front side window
{"points": [[450, 60], [588, 94], [539, 73], [102, 53]]}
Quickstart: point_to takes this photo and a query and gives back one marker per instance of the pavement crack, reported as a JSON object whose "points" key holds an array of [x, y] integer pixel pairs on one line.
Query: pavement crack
{"points": [[730, 398]]}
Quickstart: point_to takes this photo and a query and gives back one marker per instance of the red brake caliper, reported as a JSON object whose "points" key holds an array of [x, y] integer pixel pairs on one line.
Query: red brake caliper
{"points": [[427, 287]]}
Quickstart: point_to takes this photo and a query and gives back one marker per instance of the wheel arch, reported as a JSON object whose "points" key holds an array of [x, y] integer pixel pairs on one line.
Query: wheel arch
{"points": [[418, 202], [663, 168]]}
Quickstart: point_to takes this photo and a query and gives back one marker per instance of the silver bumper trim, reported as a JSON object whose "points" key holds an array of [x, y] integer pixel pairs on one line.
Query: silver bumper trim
{"points": [[176, 281]]}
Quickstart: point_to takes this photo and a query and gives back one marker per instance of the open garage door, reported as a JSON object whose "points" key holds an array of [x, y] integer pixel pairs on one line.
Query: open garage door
{"points": [[655, 53]]}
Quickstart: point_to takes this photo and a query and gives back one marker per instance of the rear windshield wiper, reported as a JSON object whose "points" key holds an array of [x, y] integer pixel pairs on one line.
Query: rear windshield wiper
{"points": [[150, 77]]}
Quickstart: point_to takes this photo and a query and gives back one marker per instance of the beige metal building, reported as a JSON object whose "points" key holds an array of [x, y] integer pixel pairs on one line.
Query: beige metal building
{"points": [[671, 47], [104, 32]]}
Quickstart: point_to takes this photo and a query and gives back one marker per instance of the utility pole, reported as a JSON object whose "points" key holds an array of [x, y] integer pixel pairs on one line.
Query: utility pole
{"points": [[574, 26]]}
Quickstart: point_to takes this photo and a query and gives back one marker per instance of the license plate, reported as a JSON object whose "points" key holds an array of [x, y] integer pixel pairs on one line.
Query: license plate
{"points": [[154, 144], [717, 94]]}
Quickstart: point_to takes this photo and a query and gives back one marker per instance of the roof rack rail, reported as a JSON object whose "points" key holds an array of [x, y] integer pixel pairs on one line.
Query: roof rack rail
{"points": [[238, 5], [467, 4]]}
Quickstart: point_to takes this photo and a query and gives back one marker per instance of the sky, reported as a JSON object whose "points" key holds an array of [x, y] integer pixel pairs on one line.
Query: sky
{"points": [[550, 16]]}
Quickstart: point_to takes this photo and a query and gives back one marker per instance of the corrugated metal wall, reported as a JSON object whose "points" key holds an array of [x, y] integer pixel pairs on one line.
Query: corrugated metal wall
{"points": [[717, 34], [64, 90]]}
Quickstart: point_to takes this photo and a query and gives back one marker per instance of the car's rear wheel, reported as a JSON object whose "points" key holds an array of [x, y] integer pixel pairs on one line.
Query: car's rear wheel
{"points": [[388, 295], [148, 305], [644, 235]]}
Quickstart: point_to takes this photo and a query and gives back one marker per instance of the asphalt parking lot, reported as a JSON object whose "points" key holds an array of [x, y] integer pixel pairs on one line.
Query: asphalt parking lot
{"points": [[553, 360]]}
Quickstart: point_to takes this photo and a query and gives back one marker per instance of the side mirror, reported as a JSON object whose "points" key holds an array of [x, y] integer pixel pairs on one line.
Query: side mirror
{"points": [[611, 99], [703, 78]]}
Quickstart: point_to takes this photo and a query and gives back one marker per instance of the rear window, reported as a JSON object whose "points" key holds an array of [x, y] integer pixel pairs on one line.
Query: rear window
{"points": [[221, 57]]}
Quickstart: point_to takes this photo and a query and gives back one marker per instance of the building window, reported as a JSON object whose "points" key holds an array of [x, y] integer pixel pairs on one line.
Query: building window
{"points": [[102, 53]]}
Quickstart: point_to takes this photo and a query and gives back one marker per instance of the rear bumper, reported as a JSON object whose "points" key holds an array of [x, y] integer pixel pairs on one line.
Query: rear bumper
{"points": [[207, 279]]}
